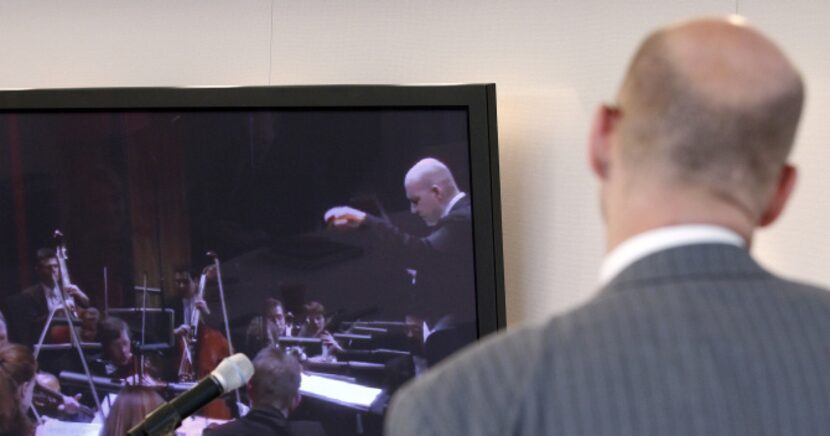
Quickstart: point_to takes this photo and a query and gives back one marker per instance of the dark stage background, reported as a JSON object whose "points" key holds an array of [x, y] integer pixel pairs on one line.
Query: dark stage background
{"points": [[143, 193]]}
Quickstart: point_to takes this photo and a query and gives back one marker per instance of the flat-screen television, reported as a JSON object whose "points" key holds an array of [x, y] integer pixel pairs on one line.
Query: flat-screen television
{"points": [[355, 227]]}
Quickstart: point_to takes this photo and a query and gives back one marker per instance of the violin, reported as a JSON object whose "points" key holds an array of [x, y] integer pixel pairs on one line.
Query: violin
{"points": [[48, 399], [131, 374]]}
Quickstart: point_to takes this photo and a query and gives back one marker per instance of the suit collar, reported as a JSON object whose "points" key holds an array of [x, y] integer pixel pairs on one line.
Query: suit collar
{"points": [[709, 260], [267, 416], [453, 203], [663, 238]]}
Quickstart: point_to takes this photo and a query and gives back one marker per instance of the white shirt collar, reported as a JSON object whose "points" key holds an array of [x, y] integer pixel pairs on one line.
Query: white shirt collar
{"points": [[452, 202], [652, 241]]}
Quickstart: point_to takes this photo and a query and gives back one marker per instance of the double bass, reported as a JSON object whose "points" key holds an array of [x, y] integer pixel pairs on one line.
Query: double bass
{"points": [[200, 351]]}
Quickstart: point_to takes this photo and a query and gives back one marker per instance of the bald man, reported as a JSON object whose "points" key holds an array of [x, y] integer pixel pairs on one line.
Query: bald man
{"points": [[443, 259], [689, 335]]}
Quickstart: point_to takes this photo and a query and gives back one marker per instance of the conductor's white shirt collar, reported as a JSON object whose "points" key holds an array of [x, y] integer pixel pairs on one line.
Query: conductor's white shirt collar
{"points": [[452, 203]]}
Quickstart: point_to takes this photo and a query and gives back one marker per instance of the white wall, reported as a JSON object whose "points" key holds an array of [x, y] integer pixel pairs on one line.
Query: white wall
{"points": [[552, 61]]}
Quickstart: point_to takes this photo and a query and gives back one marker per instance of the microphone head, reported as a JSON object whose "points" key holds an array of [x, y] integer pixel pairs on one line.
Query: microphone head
{"points": [[233, 372]]}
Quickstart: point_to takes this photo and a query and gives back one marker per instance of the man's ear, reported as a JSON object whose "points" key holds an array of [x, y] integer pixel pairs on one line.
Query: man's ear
{"points": [[436, 190], [599, 142], [783, 189]]}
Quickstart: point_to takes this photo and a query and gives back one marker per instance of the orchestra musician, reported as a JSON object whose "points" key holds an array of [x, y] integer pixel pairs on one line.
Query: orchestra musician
{"points": [[88, 330], [186, 289], [51, 402], [199, 352], [130, 408], [117, 360], [267, 328], [315, 327], [17, 381], [29, 309], [66, 406]]}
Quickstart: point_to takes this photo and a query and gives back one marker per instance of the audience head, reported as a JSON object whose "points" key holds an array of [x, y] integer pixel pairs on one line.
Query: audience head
{"points": [[276, 380], [704, 122], [130, 408], [17, 381], [429, 187], [114, 335]]}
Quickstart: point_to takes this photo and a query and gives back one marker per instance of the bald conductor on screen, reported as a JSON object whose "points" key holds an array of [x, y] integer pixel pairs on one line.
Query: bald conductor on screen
{"points": [[430, 189], [443, 258], [689, 335]]}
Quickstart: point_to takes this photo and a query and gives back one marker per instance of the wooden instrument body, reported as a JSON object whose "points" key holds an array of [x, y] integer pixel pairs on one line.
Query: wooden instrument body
{"points": [[201, 353]]}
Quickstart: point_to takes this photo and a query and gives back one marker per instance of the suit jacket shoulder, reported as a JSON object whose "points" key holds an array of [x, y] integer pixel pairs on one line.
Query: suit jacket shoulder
{"points": [[479, 390], [256, 422], [691, 340]]}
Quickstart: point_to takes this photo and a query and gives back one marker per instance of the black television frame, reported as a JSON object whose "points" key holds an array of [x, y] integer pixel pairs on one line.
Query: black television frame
{"points": [[479, 100]]}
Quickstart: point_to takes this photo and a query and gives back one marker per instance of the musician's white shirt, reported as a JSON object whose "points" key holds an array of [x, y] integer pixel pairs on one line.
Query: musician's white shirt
{"points": [[189, 305], [53, 296]]}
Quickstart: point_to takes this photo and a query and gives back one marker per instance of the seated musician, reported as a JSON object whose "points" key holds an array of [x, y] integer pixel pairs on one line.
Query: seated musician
{"points": [[69, 406], [274, 391], [267, 328], [116, 359], [29, 309], [56, 405], [88, 330], [130, 408], [17, 381], [186, 289], [315, 327]]}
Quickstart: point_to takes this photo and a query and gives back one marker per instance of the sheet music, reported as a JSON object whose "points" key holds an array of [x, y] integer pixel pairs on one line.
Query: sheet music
{"points": [[106, 404], [195, 425], [339, 391], [53, 427]]}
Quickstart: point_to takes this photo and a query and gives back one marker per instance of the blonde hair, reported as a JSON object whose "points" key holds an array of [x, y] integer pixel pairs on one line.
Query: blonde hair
{"points": [[131, 406]]}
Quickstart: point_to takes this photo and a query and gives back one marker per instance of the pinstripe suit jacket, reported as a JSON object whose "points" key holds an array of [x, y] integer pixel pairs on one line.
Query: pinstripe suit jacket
{"points": [[693, 340]]}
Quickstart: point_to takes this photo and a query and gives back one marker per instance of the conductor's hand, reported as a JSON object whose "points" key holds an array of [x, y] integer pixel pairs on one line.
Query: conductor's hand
{"points": [[344, 217]]}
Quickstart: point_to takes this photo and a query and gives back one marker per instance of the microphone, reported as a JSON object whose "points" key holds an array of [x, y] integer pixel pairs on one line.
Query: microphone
{"points": [[232, 373]]}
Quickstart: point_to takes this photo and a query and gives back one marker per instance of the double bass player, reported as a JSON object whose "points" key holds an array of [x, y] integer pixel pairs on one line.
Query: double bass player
{"points": [[29, 309]]}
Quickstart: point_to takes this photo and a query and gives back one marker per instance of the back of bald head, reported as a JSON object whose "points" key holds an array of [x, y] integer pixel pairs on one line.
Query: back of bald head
{"points": [[713, 104], [428, 172]]}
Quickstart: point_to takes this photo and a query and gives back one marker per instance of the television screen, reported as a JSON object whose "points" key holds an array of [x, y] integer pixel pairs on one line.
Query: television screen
{"points": [[354, 227]]}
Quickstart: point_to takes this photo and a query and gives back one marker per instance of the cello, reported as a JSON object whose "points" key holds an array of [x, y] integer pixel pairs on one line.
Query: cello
{"points": [[201, 349]]}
